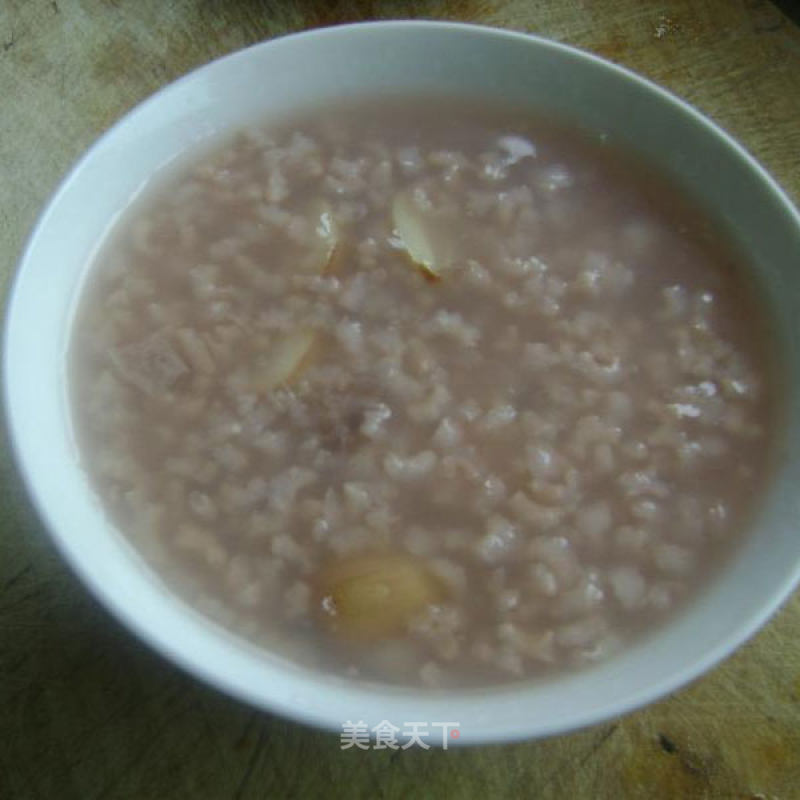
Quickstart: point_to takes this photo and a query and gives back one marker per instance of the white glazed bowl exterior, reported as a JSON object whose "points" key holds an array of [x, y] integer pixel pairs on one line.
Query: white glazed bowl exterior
{"points": [[297, 71]]}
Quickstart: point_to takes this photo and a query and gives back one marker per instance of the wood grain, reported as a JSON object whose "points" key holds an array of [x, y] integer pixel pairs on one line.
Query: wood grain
{"points": [[86, 711]]}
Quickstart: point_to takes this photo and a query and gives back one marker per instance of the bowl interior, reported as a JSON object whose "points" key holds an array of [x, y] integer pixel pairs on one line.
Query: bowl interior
{"points": [[301, 71]]}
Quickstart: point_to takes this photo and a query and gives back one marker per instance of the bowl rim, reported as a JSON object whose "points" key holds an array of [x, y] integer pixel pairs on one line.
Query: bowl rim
{"points": [[291, 706]]}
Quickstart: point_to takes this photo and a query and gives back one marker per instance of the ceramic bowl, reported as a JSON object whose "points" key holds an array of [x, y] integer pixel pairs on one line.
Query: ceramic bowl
{"points": [[283, 75]]}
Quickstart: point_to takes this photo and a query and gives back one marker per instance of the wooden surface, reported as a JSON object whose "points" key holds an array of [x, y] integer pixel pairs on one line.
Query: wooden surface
{"points": [[86, 711]]}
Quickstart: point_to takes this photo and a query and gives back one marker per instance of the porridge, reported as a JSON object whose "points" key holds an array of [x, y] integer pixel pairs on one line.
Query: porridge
{"points": [[422, 392]]}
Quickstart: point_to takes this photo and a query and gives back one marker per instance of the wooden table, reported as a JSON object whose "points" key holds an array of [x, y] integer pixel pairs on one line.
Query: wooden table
{"points": [[86, 711]]}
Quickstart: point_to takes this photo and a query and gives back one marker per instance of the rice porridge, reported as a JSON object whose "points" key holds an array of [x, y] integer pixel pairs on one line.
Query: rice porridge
{"points": [[423, 392]]}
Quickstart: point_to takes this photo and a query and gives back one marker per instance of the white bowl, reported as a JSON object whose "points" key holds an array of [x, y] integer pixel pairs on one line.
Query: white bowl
{"points": [[299, 71]]}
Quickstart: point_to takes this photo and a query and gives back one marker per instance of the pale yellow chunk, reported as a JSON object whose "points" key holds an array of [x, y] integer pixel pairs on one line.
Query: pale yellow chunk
{"points": [[414, 232], [324, 238], [375, 596], [284, 360]]}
